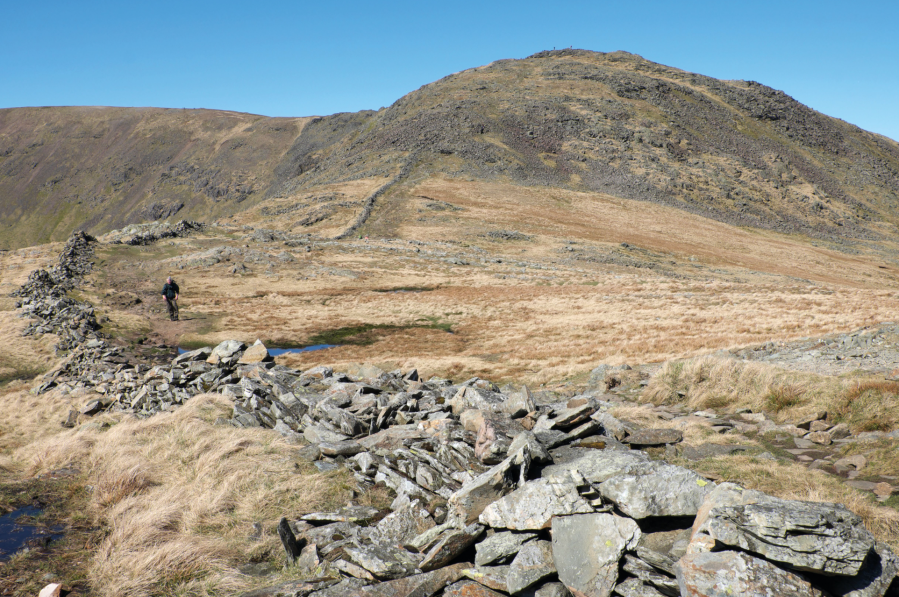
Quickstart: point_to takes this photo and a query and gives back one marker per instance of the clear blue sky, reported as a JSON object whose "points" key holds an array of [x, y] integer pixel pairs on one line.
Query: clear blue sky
{"points": [[283, 58]]}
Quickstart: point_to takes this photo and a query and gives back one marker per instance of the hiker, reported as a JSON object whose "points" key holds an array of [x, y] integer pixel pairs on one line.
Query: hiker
{"points": [[170, 292]]}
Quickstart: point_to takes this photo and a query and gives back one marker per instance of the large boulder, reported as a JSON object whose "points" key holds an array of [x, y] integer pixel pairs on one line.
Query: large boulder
{"points": [[656, 489], [809, 536], [587, 549], [597, 466], [730, 573], [533, 506]]}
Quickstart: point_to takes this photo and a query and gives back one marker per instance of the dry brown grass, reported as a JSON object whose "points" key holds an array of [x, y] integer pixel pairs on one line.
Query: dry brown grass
{"points": [[795, 482], [713, 382], [179, 495]]}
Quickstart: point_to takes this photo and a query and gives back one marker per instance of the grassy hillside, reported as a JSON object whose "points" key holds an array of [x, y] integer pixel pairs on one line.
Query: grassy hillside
{"points": [[734, 151]]}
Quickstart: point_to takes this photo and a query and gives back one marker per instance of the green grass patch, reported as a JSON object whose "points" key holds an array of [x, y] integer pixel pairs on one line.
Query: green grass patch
{"points": [[369, 333]]}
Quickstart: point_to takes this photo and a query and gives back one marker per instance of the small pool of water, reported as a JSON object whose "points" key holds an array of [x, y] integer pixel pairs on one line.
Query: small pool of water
{"points": [[14, 535], [279, 351]]}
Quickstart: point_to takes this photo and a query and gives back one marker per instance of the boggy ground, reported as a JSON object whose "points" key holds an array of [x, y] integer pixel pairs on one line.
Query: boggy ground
{"points": [[528, 304]]}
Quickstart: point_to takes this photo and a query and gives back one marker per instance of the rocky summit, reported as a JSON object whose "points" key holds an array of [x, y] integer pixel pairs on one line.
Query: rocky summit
{"points": [[497, 491], [611, 123]]}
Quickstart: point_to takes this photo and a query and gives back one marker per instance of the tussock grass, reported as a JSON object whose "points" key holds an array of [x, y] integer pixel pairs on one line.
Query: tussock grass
{"points": [[870, 405], [795, 482], [714, 382], [179, 496]]}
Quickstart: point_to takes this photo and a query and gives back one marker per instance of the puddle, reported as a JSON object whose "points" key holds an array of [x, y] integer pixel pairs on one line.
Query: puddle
{"points": [[14, 535], [279, 351]]}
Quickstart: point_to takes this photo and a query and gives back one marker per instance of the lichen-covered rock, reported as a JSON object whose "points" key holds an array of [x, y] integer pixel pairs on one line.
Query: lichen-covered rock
{"points": [[533, 563], [500, 547], [493, 577], [808, 536], [469, 588], [597, 466], [465, 505], [656, 489], [451, 546], [403, 525], [382, 561], [419, 585], [533, 506], [587, 549], [730, 573], [878, 577]]}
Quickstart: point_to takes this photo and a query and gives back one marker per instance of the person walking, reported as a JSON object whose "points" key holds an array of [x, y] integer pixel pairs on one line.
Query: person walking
{"points": [[170, 293]]}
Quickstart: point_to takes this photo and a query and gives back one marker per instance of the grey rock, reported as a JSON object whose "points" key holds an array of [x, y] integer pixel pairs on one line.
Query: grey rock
{"points": [[533, 506], [344, 448], [879, 576], [727, 494], [227, 349], [383, 561], [500, 547], [419, 585], [539, 454], [466, 504], [650, 575], [492, 577], [704, 451], [469, 588], [467, 398], [357, 514], [450, 547], [347, 586], [533, 563], [654, 437], [317, 434], [519, 404], [400, 527], [587, 549], [656, 489], [729, 573], [634, 587], [611, 426], [547, 589], [597, 466], [807, 536]]}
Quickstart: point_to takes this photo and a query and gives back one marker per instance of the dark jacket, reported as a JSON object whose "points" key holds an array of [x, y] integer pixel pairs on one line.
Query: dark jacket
{"points": [[170, 291]]}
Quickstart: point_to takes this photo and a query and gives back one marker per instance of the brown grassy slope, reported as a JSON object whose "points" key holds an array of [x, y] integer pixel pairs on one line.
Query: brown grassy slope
{"points": [[101, 168], [525, 311]]}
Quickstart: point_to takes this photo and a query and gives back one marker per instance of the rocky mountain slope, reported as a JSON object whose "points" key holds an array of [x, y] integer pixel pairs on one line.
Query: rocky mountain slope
{"points": [[616, 124]]}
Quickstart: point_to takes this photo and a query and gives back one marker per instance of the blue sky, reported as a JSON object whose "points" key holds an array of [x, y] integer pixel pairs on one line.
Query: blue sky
{"points": [[283, 58]]}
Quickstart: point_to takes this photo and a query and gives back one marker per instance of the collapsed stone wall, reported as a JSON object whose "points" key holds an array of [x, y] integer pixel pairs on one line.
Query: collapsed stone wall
{"points": [[495, 493]]}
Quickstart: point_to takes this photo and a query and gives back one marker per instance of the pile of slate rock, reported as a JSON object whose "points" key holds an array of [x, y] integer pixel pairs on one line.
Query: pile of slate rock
{"points": [[499, 495], [499, 492], [43, 297]]}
